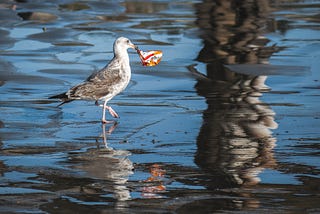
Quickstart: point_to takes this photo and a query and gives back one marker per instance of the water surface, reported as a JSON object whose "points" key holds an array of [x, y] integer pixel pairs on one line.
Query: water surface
{"points": [[227, 122]]}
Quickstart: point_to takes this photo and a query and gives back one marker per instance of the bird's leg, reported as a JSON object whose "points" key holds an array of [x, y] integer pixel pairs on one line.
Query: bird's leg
{"points": [[104, 116], [111, 111]]}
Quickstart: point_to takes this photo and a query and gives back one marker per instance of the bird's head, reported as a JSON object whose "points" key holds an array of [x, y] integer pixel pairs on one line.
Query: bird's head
{"points": [[122, 44]]}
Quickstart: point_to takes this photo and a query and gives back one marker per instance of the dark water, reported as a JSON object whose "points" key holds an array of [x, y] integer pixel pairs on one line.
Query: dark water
{"points": [[227, 122]]}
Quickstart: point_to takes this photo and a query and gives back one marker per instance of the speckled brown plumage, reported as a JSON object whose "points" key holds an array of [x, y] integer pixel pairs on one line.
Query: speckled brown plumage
{"points": [[106, 83]]}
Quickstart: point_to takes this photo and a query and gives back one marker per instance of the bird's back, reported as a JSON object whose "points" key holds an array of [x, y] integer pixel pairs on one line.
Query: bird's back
{"points": [[109, 81]]}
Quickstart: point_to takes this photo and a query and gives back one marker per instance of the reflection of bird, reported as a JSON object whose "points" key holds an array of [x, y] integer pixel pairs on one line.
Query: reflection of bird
{"points": [[106, 83], [112, 167]]}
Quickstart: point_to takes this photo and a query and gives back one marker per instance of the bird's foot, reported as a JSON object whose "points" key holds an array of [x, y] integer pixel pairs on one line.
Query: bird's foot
{"points": [[104, 121]]}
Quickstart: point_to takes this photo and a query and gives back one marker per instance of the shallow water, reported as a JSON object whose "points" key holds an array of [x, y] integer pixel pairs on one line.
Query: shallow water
{"points": [[227, 122]]}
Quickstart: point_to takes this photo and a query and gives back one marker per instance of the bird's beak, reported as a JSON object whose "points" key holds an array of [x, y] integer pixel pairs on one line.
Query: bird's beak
{"points": [[133, 46]]}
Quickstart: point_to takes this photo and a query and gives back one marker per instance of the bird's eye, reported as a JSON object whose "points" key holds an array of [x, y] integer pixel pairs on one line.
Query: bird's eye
{"points": [[128, 41]]}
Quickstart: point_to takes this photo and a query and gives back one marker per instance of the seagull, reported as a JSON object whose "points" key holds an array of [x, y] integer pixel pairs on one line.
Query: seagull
{"points": [[106, 83]]}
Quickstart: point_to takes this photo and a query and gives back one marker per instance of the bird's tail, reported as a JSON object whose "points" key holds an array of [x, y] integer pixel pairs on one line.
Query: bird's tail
{"points": [[63, 97]]}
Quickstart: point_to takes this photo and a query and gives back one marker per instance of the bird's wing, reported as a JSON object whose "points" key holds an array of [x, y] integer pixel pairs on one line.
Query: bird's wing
{"points": [[98, 84], [107, 74]]}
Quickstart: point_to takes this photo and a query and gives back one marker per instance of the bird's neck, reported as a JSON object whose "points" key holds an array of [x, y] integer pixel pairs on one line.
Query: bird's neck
{"points": [[123, 58], [123, 53]]}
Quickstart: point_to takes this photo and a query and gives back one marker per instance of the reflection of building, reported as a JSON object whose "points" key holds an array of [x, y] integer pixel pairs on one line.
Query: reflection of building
{"points": [[232, 31], [235, 142]]}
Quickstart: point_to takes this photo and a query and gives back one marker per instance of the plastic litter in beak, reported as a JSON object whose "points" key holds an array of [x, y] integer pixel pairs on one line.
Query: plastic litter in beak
{"points": [[150, 58]]}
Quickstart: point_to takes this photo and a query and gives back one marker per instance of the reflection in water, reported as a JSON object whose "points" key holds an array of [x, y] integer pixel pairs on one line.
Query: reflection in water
{"points": [[232, 31], [45, 149], [104, 132], [235, 142], [113, 167], [3, 167], [155, 182]]}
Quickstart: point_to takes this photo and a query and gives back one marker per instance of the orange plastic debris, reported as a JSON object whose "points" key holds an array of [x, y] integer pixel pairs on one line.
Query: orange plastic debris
{"points": [[150, 58]]}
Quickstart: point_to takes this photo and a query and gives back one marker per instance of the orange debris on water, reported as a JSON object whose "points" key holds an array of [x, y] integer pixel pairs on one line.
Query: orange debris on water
{"points": [[150, 58]]}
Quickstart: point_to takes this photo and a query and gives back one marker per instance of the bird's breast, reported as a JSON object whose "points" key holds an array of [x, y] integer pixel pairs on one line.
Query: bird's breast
{"points": [[124, 79]]}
